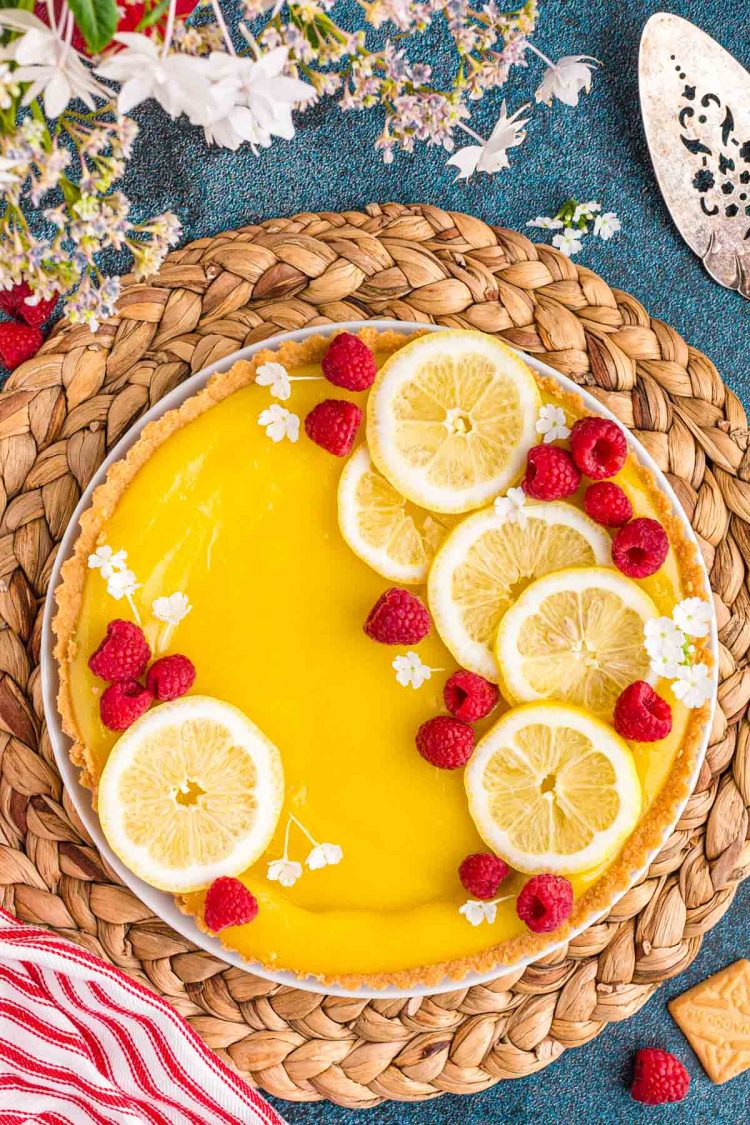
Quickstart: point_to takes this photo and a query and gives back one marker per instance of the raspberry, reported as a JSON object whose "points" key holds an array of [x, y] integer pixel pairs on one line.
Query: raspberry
{"points": [[640, 547], [123, 654], [550, 473], [658, 1077], [15, 302], [398, 618], [124, 702], [228, 903], [445, 742], [641, 715], [349, 363], [18, 342], [333, 425], [469, 696], [170, 677], [598, 446], [482, 873], [545, 902], [606, 503]]}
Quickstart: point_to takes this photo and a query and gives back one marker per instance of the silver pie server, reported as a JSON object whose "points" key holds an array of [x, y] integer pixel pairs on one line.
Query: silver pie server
{"points": [[695, 101]]}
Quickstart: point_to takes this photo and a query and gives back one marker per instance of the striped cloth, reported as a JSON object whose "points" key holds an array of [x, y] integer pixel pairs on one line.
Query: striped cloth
{"points": [[83, 1044]]}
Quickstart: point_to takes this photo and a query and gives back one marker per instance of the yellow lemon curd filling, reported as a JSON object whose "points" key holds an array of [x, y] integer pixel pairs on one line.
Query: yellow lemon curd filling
{"points": [[247, 529]]}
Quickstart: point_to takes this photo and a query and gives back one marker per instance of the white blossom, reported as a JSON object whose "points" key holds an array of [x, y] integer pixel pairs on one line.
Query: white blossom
{"points": [[284, 871], [172, 608], [48, 64], [565, 79], [585, 211], [569, 241], [492, 155], [279, 423], [178, 82], [276, 377], [544, 222], [667, 665], [693, 616], [250, 99], [107, 561], [551, 423], [324, 855], [694, 687], [410, 670], [607, 225], [122, 584], [477, 912], [511, 507], [662, 637]]}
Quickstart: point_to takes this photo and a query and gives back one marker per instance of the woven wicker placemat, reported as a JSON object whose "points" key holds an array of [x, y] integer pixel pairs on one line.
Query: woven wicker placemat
{"points": [[62, 411]]}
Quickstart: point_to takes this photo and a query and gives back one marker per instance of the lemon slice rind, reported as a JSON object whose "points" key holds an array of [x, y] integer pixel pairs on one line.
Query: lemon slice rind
{"points": [[254, 754], [497, 412], [469, 652], [500, 749], [578, 581], [396, 544]]}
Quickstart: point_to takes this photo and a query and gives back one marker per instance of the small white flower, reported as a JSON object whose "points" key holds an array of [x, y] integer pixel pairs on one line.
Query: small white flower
{"points": [[606, 225], [276, 377], [586, 211], [491, 156], [668, 664], [661, 637], [410, 670], [477, 912], [551, 423], [122, 584], [171, 609], [324, 855], [284, 871], [545, 223], [565, 79], [569, 242], [107, 561], [694, 686], [511, 507], [47, 64], [279, 423], [693, 616]]}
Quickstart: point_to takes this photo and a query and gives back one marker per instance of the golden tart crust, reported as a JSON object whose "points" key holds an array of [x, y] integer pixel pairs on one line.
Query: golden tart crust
{"points": [[649, 833]]}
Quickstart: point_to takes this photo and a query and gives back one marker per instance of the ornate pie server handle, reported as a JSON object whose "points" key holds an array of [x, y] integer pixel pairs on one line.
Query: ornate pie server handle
{"points": [[695, 100]]}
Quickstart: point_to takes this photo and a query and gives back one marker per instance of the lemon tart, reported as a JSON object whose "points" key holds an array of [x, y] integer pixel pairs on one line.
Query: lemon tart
{"points": [[361, 643]]}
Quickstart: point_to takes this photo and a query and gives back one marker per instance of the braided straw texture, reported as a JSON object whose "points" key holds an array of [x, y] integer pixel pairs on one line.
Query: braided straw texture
{"points": [[63, 410]]}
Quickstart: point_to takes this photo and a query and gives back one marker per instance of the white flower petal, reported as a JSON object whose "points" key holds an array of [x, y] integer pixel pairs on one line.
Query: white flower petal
{"points": [[284, 871], [693, 616]]}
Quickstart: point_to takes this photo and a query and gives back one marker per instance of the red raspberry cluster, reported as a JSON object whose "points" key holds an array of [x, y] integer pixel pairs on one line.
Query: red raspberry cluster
{"points": [[121, 659], [334, 423], [598, 450]]}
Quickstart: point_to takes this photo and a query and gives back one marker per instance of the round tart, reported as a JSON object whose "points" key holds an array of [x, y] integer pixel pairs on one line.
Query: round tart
{"points": [[256, 581]]}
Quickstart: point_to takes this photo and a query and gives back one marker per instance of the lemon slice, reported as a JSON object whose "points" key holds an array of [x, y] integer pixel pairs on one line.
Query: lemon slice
{"points": [[394, 537], [450, 419], [484, 564], [575, 635], [551, 788], [192, 791]]}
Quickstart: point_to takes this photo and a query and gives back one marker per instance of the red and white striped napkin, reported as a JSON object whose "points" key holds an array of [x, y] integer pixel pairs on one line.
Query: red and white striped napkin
{"points": [[83, 1044]]}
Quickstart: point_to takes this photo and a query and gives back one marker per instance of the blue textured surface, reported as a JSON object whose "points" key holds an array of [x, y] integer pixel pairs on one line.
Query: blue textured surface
{"points": [[596, 152]]}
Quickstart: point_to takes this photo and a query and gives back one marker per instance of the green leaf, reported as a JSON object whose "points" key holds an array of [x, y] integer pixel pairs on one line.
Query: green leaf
{"points": [[96, 20]]}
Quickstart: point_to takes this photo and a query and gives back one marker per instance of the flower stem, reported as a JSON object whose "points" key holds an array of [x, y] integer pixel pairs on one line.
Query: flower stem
{"points": [[134, 608], [222, 26], [302, 828], [539, 55]]}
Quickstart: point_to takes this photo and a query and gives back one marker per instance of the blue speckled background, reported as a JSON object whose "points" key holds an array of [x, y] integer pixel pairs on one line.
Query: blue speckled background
{"points": [[596, 152]]}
